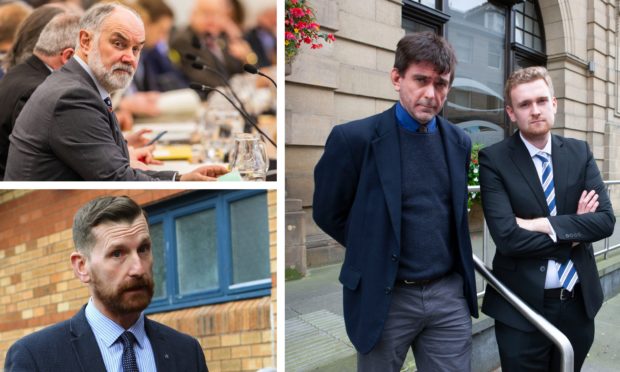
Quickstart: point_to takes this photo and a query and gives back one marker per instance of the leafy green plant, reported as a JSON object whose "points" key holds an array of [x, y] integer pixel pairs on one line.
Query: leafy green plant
{"points": [[472, 175]]}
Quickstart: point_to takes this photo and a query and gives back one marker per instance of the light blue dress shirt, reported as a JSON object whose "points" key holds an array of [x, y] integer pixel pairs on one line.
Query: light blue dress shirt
{"points": [[107, 333]]}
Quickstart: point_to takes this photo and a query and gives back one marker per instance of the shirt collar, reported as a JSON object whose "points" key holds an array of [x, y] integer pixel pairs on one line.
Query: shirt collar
{"points": [[109, 331], [533, 150], [407, 122], [104, 93]]}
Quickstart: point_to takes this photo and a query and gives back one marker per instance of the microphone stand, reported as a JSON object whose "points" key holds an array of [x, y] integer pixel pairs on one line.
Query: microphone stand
{"points": [[244, 114]]}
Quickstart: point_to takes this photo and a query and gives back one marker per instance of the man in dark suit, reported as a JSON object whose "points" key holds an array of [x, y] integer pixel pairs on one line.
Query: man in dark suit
{"points": [[67, 130], [545, 202], [53, 49], [110, 333], [392, 189]]}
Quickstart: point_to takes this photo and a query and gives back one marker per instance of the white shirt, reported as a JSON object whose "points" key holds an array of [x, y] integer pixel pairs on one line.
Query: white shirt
{"points": [[552, 279]]}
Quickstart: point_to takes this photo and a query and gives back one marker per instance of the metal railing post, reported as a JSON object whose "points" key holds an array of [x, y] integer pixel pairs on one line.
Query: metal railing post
{"points": [[543, 325]]}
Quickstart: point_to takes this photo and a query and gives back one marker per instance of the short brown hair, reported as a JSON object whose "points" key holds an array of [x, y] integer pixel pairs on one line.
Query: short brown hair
{"points": [[100, 210], [28, 33], [425, 46], [526, 75], [156, 9], [11, 16]]}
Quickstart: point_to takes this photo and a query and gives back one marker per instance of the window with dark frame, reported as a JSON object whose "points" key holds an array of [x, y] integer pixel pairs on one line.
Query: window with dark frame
{"points": [[477, 101], [209, 247]]}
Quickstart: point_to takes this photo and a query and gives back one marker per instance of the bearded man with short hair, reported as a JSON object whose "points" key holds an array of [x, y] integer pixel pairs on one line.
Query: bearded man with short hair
{"points": [[67, 131], [110, 333]]}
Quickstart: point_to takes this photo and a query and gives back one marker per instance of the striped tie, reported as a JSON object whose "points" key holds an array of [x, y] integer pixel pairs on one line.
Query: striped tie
{"points": [[567, 272]]}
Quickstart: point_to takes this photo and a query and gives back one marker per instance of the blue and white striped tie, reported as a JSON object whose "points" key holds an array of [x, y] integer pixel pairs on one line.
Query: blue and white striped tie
{"points": [[567, 272]]}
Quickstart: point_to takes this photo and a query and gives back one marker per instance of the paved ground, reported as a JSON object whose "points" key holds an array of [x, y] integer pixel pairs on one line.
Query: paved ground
{"points": [[316, 339]]}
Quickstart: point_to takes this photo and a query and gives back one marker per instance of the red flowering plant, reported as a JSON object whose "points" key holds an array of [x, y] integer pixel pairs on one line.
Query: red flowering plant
{"points": [[300, 27], [472, 175]]}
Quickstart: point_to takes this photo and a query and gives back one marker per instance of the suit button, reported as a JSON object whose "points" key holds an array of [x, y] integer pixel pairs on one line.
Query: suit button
{"points": [[388, 290], [542, 269], [394, 257]]}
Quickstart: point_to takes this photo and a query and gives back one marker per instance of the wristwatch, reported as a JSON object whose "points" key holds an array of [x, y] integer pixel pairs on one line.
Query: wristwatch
{"points": [[177, 177]]}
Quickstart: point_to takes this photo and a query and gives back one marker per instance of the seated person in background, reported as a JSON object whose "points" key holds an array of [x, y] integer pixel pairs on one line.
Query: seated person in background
{"points": [[53, 49], [67, 130], [262, 37], [12, 14], [155, 71], [28, 32], [215, 39]]}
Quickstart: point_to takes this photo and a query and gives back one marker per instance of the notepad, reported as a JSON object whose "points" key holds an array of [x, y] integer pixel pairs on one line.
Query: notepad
{"points": [[173, 152]]}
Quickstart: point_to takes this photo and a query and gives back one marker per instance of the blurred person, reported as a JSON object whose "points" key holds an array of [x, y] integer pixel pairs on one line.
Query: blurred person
{"points": [[113, 257], [156, 72], [262, 37], [67, 130], [28, 33], [220, 42], [54, 47], [12, 14]]}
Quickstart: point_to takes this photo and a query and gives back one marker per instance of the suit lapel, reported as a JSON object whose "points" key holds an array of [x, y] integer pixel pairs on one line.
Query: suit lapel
{"points": [[386, 148], [456, 159], [84, 344], [161, 350], [560, 172], [523, 162]]}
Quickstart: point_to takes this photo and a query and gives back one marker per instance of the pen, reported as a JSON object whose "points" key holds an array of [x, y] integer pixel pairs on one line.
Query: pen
{"points": [[157, 137]]}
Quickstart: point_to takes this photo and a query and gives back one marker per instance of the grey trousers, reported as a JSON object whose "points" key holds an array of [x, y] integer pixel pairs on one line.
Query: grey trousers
{"points": [[433, 320]]}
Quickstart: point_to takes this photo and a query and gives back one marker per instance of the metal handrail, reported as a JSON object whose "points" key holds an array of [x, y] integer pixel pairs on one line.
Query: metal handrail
{"points": [[543, 325]]}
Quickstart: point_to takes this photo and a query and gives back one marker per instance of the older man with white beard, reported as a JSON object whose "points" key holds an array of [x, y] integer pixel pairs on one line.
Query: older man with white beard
{"points": [[67, 131]]}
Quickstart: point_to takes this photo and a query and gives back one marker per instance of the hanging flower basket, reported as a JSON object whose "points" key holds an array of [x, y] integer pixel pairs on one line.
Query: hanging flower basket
{"points": [[300, 27]]}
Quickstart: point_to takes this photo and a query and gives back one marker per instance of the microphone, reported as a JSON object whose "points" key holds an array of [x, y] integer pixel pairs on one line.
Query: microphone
{"points": [[201, 66], [247, 117], [254, 70]]}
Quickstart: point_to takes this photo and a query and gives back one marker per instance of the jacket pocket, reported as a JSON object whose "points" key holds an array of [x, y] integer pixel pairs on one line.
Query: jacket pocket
{"points": [[349, 277]]}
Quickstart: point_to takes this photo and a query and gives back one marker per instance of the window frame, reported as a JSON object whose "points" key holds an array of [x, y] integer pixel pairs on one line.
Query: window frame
{"points": [[167, 212], [437, 19]]}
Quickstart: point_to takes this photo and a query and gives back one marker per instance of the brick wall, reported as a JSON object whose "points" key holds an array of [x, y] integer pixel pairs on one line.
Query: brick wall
{"points": [[37, 286]]}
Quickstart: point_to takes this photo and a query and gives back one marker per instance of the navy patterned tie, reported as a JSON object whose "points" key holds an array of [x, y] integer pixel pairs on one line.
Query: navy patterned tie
{"points": [[128, 360], [567, 272], [108, 103]]}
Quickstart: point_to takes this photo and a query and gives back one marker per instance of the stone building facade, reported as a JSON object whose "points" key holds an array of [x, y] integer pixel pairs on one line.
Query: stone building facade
{"points": [[578, 41], [38, 287]]}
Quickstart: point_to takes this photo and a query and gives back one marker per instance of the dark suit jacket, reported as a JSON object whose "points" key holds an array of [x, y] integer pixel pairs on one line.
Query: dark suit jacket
{"points": [[511, 187], [265, 57], [158, 73], [66, 133], [15, 89], [357, 201], [70, 346], [182, 43]]}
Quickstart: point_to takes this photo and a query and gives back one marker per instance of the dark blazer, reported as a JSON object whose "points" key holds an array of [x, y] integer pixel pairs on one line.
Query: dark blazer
{"points": [[182, 43], [265, 57], [70, 346], [158, 73], [511, 187], [357, 201], [15, 89], [66, 133]]}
